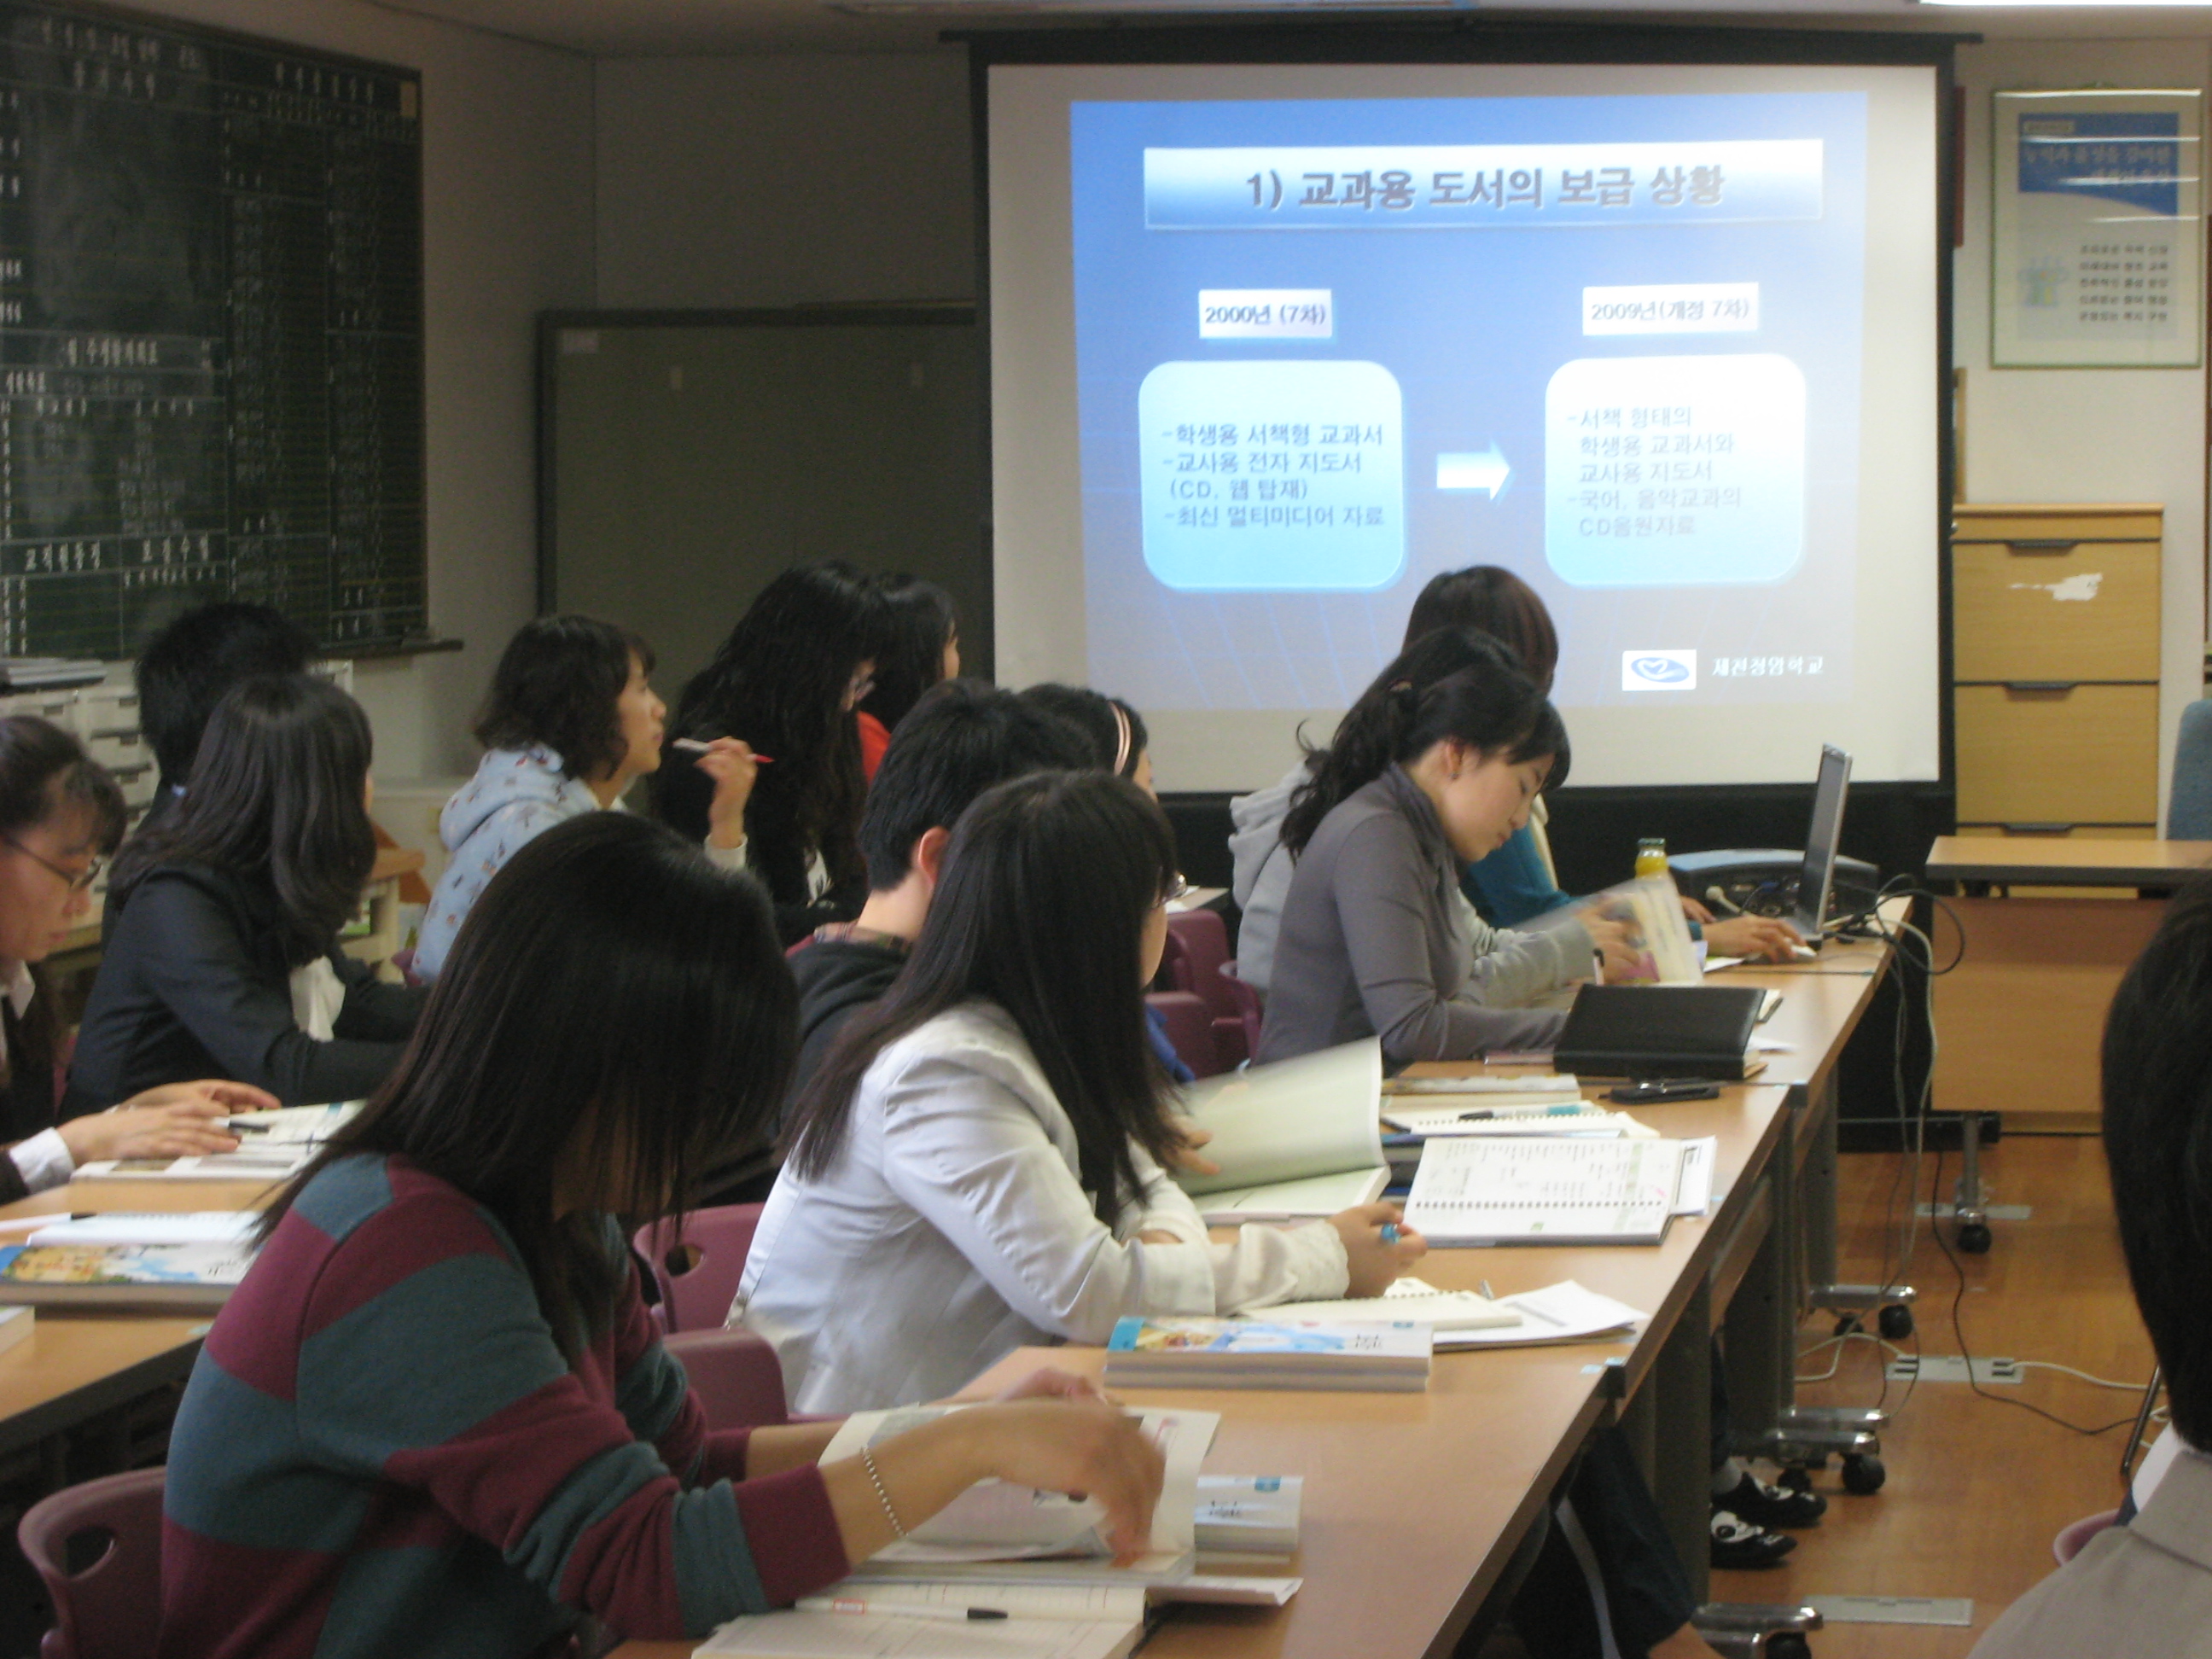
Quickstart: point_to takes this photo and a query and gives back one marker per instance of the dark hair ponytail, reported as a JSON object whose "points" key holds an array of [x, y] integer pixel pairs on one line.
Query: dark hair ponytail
{"points": [[1455, 684], [1048, 882]]}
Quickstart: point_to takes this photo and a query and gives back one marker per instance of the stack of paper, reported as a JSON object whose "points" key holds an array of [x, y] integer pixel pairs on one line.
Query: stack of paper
{"points": [[1390, 1356], [1407, 1298], [227, 1227]]}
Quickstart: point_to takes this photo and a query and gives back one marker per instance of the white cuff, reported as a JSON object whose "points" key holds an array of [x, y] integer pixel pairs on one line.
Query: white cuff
{"points": [[726, 858], [44, 1160]]}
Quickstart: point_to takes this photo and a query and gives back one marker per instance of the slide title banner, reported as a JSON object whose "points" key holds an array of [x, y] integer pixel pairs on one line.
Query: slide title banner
{"points": [[1482, 187]]}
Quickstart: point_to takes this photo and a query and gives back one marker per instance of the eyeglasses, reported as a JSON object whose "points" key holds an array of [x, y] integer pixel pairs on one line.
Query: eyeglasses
{"points": [[859, 688], [1177, 890], [78, 880]]}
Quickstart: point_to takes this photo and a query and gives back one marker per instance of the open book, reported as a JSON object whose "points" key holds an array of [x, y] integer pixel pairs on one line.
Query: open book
{"points": [[1014, 1532], [1300, 1138], [1527, 1191]]}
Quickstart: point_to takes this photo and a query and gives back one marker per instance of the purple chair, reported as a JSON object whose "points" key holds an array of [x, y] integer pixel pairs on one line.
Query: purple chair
{"points": [[735, 1376], [697, 1261], [1251, 1006], [113, 1608], [1189, 1024], [1198, 944]]}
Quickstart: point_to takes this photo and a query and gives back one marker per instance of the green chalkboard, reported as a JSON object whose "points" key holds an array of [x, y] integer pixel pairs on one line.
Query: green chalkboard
{"points": [[686, 458]]}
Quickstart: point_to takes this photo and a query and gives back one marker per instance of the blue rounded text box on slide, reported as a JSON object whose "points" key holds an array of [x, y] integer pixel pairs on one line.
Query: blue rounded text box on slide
{"points": [[1660, 471], [1276, 476]]}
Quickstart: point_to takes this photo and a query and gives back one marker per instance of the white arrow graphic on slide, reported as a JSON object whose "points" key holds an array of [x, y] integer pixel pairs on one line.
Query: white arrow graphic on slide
{"points": [[1483, 468]]}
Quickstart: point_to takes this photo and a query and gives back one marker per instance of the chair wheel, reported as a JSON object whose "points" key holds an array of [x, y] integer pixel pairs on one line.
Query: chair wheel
{"points": [[1796, 1480], [1863, 1472], [1847, 1324], [1895, 1322], [1974, 1238], [1787, 1644]]}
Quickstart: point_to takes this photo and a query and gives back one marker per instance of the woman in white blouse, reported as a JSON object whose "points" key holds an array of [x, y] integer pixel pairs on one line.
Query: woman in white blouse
{"points": [[978, 1164], [61, 815]]}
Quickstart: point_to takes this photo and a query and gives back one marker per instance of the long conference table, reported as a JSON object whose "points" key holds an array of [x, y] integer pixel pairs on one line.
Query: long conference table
{"points": [[1414, 1503]]}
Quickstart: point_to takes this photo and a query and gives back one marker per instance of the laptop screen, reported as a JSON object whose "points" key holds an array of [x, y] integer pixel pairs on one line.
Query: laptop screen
{"points": [[1819, 874]]}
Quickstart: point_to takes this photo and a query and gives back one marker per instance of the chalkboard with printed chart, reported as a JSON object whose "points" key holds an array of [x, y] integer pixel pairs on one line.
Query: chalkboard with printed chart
{"points": [[211, 333], [686, 458]]}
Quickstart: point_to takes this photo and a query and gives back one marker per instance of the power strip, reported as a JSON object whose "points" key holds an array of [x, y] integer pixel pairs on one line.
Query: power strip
{"points": [[1952, 1368]]}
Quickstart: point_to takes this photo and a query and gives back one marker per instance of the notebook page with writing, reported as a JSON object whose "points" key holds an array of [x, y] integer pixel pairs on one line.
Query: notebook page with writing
{"points": [[1538, 1192]]}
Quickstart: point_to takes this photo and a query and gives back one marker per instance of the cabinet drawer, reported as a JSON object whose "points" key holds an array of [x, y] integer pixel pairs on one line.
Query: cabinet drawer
{"points": [[2087, 755], [2121, 522], [2088, 613]]}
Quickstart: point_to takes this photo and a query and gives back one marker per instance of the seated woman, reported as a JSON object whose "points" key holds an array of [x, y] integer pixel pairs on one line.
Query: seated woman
{"points": [[435, 1417], [571, 722], [1436, 766], [61, 817], [977, 1163], [785, 682], [920, 648], [221, 957]]}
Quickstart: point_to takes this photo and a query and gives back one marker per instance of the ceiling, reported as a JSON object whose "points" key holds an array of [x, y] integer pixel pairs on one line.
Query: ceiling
{"points": [[655, 29]]}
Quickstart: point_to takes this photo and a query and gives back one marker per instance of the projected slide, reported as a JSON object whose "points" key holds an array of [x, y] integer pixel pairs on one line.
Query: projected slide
{"points": [[1326, 348]]}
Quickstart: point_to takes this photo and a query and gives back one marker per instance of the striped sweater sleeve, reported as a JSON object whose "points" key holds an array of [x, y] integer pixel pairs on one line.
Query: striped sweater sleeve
{"points": [[498, 1432]]}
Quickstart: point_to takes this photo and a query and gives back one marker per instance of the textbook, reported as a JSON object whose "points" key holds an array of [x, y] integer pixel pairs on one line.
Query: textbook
{"points": [[1299, 1139], [135, 1277], [836, 1633], [1248, 1514], [1375, 1356], [1534, 1191], [1002, 1531]]}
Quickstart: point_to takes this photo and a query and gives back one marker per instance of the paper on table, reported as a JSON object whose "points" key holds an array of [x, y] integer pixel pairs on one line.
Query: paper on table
{"points": [[1502, 1120], [1694, 1181], [1022, 1600], [1408, 1298], [887, 1636], [122, 1227], [1564, 1312], [1230, 1590]]}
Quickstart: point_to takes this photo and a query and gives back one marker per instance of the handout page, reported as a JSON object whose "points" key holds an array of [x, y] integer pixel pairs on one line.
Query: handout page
{"points": [[995, 1521], [1564, 1312], [1544, 1191], [121, 1227], [1407, 1298], [1316, 1115]]}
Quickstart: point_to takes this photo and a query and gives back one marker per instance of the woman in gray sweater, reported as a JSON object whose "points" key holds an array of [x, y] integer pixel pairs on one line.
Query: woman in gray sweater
{"points": [[1436, 766]]}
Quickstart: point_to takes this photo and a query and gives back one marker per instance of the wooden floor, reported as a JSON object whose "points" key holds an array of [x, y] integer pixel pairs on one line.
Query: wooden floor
{"points": [[1976, 1489]]}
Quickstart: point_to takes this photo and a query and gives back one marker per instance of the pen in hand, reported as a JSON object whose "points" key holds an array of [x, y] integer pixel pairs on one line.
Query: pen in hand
{"points": [[701, 746]]}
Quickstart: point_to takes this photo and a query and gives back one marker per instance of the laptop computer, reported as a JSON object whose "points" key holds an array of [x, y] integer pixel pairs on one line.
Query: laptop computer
{"points": [[1817, 880]]}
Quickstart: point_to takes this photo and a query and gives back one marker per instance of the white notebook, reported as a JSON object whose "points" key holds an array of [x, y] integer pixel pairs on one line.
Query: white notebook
{"points": [[1546, 1192]]}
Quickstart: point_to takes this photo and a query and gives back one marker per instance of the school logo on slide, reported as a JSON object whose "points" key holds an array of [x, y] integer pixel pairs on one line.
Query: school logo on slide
{"points": [[1658, 671]]}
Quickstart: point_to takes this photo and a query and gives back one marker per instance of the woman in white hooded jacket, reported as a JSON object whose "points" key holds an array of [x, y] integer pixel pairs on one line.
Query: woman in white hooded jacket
{"points": [[570, 723]]}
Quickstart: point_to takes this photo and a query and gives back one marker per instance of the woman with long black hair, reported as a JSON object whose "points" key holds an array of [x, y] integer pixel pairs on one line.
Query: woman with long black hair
{"points": [[61, 817], [920, 648], [785, 682], [221, 958], [977, 1163], [436, 1409]]}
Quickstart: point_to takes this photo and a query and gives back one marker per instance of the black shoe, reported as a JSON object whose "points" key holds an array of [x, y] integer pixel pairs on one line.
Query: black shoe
{"points": [[1766, 1505], [1739, 1546]]}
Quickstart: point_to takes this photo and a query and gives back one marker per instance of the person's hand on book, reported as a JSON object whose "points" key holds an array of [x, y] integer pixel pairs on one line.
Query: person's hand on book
{"points": [[1377, 1248], [1186, 1157], [179, 1120]]}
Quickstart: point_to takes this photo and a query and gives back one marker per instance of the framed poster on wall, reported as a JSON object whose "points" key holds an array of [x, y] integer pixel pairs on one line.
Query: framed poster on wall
{"points": [[2096, 256]]}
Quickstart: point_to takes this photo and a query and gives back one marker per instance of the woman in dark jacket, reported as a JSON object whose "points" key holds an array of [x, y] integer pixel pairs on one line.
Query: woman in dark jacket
{"points": [[221, 958]]}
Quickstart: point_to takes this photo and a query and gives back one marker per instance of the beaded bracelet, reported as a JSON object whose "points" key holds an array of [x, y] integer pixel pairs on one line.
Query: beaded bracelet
{"points": [[868, 1458]]}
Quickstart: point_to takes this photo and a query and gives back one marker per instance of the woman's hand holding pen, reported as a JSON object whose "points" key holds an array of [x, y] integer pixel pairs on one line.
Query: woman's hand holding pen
{"points": [[730, 762], [1615, 941], [1378, 1247]]}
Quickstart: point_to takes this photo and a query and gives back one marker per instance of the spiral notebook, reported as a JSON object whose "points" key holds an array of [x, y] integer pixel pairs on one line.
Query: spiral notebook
{"points": [[1475, 1192]]}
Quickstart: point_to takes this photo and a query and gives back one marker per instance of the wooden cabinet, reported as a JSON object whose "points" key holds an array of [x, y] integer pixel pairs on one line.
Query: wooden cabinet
{"points": [[2055, 666]]}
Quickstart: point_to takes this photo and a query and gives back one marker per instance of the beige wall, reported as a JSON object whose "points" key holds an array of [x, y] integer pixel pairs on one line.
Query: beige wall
{"points": [[777, 181], [507, 196], [2083, 434]]}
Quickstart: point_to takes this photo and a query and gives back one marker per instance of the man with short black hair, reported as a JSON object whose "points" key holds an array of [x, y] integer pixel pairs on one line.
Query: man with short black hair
{"points": [[186, 668], [2147, 1587], [963, 738]]}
